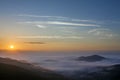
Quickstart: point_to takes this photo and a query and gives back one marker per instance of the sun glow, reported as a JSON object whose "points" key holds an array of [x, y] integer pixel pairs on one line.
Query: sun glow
{"points": [[12, 47]]}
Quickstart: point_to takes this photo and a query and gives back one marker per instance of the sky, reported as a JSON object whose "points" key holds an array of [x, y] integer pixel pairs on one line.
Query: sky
{"points": [[50, 25]]}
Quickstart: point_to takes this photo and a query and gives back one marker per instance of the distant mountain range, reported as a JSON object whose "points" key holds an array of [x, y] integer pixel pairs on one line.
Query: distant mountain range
{"points": [[92, 58]]}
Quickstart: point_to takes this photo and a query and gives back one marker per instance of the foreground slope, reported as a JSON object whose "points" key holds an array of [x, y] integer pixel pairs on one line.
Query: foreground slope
{"points": [[17, 70]]}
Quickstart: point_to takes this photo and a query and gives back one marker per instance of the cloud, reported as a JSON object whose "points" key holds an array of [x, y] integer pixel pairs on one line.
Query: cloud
{"points": [[57, 18], [34, 42], [79, 20], [98, 30], [101, 33], [60, 23], [70, 24], [51, 37], [37, 16], [41, 26]]}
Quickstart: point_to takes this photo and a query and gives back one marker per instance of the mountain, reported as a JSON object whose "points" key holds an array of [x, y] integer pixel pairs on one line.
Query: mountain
{"points": [[101, 73], [19, 70], [92, 58]]}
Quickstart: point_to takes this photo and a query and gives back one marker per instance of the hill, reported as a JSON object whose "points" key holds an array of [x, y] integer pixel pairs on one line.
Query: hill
{"points": [[18, 70], [92, 58]]}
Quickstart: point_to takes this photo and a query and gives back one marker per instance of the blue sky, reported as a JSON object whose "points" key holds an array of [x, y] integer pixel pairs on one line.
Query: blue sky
{"points": [[81, 22], [84, 9]]}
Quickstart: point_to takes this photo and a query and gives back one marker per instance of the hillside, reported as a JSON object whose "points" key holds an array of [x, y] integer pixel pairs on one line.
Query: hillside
{"points": [[17, 70]]}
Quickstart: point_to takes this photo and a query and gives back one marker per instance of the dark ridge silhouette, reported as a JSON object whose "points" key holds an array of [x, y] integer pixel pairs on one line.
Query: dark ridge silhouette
{"points": [[103, 73], [91, 58], [18, 70]]}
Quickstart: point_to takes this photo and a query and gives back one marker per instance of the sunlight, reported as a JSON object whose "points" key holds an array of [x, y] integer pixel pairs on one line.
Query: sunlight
{"points": [[12, 47]]}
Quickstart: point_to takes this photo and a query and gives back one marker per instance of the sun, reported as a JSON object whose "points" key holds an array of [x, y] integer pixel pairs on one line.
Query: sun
{"points": [[12, 47]]}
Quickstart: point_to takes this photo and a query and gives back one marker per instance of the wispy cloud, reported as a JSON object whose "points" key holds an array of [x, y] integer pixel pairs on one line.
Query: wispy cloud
{"points": [[34, 42], [71, 24], [37, 16], [98, 30], [101, 33], [41, 26], [59, 23], [61, 18], [79, 20], [51, 37]]}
